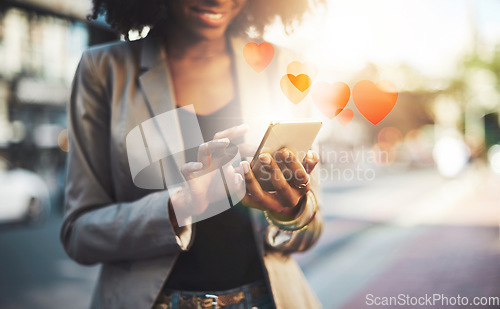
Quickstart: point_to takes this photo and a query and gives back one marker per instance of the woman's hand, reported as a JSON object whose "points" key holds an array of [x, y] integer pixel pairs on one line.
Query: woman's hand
{"points": [[289, 179], [246, 150], [203, 186]]}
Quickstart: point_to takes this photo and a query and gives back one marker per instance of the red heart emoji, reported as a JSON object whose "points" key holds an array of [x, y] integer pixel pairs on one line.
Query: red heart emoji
{"points": [[375, 101], [331, 99], [258, 56], [345, 116]]}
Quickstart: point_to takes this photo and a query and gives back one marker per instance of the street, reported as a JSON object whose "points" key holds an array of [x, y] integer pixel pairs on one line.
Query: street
{"points": [[36, 272], [412, 233], [429, 236]]}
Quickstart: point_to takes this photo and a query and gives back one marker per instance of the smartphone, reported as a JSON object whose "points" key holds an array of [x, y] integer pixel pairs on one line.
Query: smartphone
{"points": [[297, 136]]}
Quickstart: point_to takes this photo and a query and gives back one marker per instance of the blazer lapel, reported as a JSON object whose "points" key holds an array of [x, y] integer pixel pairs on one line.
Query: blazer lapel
{"points": [[155, 79], [157, 86]]}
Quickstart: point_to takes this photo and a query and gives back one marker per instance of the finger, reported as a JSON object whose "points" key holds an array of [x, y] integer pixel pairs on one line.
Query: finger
{"points": [[280, 160], [233, 180], [206, 150], [300, 179], [252, 185], [286, 194], [254, 193], [190, 168], [234, 175], [310, 161], [217, 144], [256, 197], [238, 180], [232, 132]]}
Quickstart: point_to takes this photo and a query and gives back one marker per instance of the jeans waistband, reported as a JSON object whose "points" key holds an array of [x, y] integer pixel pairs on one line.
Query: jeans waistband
{"points": [[245, 296], [243, 288]]}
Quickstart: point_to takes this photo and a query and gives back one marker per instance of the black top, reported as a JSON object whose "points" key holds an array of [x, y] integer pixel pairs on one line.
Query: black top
{"points": [[224, 254]]}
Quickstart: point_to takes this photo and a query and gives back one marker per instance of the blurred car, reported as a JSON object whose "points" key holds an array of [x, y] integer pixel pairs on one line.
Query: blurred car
{"points": [[24, 196]]}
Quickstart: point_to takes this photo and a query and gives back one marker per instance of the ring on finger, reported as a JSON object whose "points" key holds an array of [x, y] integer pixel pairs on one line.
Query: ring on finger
{"points": [[302, 185]]}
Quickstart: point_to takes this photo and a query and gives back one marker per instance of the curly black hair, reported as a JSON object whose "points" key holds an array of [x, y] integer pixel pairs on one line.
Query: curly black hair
{"points": [[124, 16]]}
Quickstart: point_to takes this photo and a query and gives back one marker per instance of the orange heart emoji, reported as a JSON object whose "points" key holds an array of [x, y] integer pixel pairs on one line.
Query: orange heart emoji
{"points": [[301, 81], [331, 99], [258, 56], [307, 68], [375, 101], [295, 88], [345, 116]]}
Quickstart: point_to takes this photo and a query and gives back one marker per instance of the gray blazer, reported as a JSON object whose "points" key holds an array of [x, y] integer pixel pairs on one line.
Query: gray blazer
{"points": [[109, 220]]}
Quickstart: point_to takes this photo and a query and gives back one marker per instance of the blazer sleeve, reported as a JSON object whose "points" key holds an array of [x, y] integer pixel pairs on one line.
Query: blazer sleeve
{"points": [[96, 228]]}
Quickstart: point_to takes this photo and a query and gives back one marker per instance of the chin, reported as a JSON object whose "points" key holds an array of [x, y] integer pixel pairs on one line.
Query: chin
{"points": [[210, 33]]}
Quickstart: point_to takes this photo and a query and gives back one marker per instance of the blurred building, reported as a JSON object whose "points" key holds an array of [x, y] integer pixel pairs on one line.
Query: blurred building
{"points": [[41, 42]]}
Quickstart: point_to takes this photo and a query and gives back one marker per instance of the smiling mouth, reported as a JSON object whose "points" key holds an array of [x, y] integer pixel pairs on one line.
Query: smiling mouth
{"points": [[213, 16], [209, 17]]}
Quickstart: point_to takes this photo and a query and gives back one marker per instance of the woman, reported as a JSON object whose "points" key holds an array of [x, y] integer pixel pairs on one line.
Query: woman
{"points": [[192, 63]]}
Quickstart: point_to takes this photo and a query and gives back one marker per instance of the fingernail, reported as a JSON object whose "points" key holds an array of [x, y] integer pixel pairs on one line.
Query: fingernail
{"points": [[285, 153], [265, 158], [310, 154], [238, 178], [246, 167], [315, 155], [222, 140], [197, 165], [243, 126]]}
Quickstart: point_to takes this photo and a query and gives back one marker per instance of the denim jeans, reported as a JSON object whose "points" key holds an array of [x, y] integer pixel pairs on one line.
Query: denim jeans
{"points": [[263, 301]]}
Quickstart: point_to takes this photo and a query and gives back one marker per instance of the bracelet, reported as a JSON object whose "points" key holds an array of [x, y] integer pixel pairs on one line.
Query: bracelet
{"points": [[284, 226]]}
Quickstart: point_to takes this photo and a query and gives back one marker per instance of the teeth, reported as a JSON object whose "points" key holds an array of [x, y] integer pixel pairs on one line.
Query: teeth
{"points": [[213, 16]]}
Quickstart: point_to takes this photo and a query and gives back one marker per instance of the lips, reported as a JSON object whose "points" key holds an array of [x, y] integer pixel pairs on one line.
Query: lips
{"points": [[210, 17]]}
